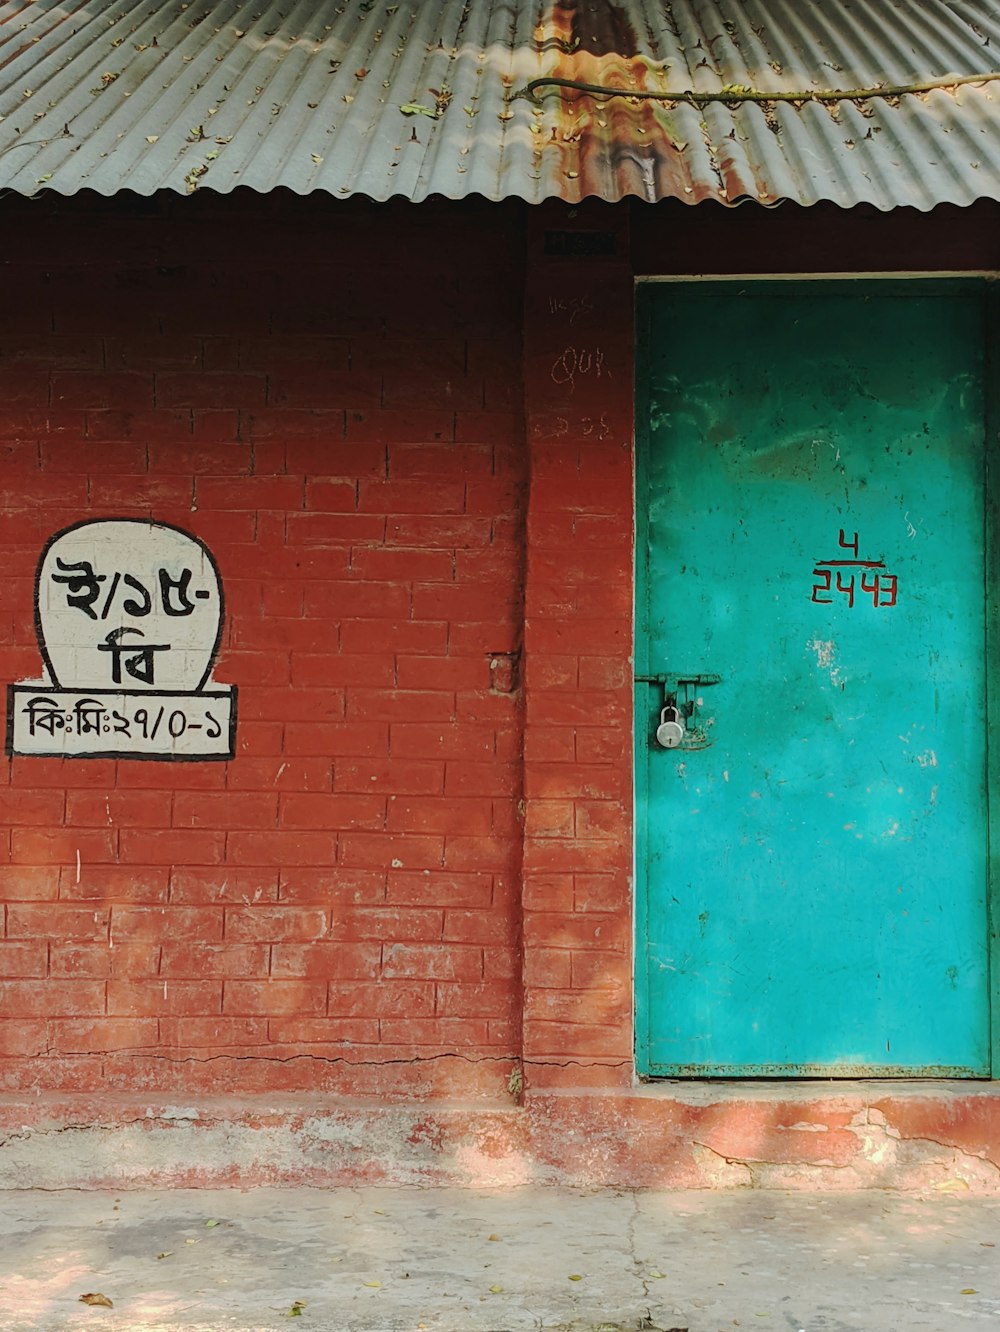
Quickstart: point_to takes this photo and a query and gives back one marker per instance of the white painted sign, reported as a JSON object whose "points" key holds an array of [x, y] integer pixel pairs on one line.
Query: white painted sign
{"points": [[129, 616]]}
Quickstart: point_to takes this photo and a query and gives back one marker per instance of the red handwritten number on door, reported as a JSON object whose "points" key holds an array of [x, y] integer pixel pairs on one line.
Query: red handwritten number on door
{"points": [[839, 577]]}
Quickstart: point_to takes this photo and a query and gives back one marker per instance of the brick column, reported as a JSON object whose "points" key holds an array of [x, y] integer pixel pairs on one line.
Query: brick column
{"points": [[577, 872]]}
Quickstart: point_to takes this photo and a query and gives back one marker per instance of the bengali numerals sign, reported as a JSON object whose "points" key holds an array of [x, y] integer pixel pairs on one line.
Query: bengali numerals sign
{"points": [[852, 578], [120, 594], [71, 723], [129, 618]]}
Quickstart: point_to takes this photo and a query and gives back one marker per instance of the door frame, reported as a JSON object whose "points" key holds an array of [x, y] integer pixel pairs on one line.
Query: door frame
{"points": [[991, 609]]}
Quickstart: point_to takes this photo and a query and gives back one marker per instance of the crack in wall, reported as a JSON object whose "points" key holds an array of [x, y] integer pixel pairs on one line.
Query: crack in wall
{"points": [[155, 1052], [880, 1145], [26, 1133], [884, 1157], [733, 1162], [321, 1059], [577, 1063]]}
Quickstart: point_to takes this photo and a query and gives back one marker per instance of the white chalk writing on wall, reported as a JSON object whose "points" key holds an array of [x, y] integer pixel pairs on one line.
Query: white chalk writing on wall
{"points": [[578, 362]]}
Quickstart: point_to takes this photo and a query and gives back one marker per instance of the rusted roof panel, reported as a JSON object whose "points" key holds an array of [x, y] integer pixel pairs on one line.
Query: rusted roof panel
{"points": [[415, 99]]}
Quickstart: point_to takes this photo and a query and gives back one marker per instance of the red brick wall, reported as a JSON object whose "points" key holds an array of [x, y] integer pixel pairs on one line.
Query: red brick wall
{"points": [[329, 395], [578, 653], [416, 874]]}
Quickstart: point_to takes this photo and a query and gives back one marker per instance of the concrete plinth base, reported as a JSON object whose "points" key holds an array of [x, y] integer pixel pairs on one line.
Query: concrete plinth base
{"points": [[932, 1136]]}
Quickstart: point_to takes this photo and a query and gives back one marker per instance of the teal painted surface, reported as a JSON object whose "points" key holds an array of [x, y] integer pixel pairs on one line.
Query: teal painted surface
{"points": [[813, 884]]}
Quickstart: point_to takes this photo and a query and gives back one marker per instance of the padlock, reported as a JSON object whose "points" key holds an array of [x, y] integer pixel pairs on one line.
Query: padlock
{"points": [[670, 731]]}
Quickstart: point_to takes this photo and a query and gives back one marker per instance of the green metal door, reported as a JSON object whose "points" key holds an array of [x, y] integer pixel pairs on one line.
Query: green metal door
{"points": [[812, 856]]}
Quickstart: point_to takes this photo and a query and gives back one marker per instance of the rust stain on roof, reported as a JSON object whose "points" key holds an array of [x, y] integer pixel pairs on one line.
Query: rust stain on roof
{"points": [[604, 29]]}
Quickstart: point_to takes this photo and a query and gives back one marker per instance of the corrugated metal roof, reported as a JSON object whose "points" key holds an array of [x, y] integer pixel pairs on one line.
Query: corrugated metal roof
{"points": [[414, 99]]}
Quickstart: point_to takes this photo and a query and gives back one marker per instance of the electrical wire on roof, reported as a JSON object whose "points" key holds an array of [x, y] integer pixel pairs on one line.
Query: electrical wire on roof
{"points": [[734, 94]]}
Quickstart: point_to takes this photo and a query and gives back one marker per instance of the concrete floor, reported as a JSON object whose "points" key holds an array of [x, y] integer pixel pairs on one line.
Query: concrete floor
{"points": [[409, 1259]]}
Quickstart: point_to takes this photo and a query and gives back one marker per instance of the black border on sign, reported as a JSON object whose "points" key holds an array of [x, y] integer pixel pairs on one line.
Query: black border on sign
{"points": [[40, 687], [141, 522]]}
